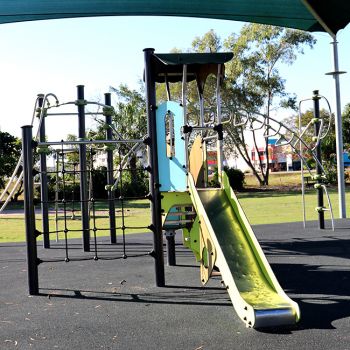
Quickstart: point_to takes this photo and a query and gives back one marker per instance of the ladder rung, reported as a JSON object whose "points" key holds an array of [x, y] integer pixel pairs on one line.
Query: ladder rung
{"points": [[181, 213], [176, 222]]}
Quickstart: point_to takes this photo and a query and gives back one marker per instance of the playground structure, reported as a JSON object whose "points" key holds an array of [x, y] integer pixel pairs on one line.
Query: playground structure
{"points": [[321, 129], [214, 225], [17, 175], [304, 150]]}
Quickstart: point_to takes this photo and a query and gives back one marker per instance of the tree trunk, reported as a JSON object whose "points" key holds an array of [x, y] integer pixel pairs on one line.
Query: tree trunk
{"points": [[133, 170], [18, 193], [262, 181], [239, 143]]}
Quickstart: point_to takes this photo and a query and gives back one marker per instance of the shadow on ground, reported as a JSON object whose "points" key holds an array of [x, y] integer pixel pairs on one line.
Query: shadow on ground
{"points": [[321, 290]]}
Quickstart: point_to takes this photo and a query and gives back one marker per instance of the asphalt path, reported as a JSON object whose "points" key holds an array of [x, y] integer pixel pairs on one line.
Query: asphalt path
{"points": [[113, 303]]}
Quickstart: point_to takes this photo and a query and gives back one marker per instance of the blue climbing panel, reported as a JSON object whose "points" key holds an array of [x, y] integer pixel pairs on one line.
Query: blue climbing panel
{"points": [[171, 147]]}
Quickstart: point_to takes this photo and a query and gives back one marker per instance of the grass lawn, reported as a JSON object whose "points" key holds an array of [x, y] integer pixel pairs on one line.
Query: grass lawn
{"points": [[283, 205], [136, 214], [267, 207], [272, 207], [276, 179]]}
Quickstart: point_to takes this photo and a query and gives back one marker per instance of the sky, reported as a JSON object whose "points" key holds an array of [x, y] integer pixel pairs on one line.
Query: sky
{"points": [[55, 56]]}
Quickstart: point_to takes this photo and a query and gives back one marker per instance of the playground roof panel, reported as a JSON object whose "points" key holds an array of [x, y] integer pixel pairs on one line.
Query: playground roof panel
{"points": [[311, 15], [193, 58], [199, 65]]}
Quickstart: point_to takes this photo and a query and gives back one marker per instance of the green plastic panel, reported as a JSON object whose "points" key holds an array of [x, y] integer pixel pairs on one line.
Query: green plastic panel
{"points": [[190, 236], [241, 258], [253, 288]]}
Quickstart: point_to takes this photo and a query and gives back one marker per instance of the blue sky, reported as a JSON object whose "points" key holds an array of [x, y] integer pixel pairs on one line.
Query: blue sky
{"points": [[55, 56]]}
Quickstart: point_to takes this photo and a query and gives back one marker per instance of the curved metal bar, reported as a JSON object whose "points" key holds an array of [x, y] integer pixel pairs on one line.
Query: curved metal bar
{"points": [[43, 110], [66, 104], [293, 141], [241, 123], [98, 104], [88, 142], [322, 134], [296, 137], [75, 102], [264, 123], [228, 121], [330, 116], [318, 140], [270, 128]]}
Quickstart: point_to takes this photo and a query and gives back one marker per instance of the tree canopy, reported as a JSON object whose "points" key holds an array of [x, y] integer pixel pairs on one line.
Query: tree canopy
{"points": [[10, 151], [253, 82]]}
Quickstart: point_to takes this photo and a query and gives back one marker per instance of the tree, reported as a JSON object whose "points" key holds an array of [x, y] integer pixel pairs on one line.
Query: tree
{"points": [[10, 151], [346, 127], [128, 122], [73, 156], [130, 113], [254, 83], [209, 43], [328, 143]]}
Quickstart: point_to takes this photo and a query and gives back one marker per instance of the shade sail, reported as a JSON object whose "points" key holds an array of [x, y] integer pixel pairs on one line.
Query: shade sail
{"points": [[311, 15]]}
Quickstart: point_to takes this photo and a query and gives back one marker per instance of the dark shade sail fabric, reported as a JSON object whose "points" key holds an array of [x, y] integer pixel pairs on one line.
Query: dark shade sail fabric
{"points": [[310, 15]]}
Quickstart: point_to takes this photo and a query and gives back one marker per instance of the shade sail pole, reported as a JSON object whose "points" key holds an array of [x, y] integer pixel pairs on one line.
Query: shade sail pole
{"points": [[338, 117], [339, 132]]}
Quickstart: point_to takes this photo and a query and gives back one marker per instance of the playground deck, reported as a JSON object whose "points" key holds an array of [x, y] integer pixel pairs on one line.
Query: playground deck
{"points": [[113, 304]]}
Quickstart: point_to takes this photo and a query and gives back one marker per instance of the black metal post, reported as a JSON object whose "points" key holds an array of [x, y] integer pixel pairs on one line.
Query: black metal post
{"points": [[32, 256], [43, 180], [154, 175], [320, 203], [110, 179], [83, 170], [170, 245]]}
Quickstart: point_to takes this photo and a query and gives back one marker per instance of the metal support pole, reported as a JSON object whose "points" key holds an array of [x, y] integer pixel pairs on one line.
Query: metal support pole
{"points": [[302, 171], [43, 182], [32, 256], [154, 175], [110, 180], [201, 125], [170, 244], [56, 195], [83, 170], [320, 203], [339, 133], [219, 144], [201, 107], [184, 106]]}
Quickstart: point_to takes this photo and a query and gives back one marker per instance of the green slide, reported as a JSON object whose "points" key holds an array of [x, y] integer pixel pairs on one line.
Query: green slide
{"points": [[229, 243]]}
